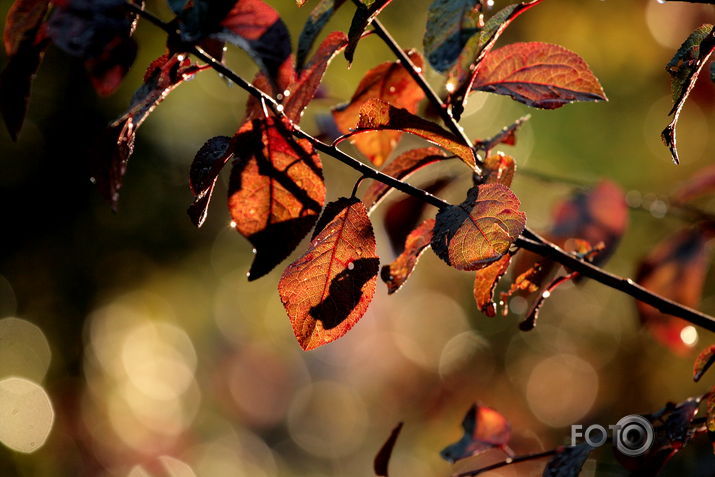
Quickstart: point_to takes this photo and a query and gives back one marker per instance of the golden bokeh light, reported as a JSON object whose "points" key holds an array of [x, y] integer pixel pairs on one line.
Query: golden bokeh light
{"points": [[26, 414]]}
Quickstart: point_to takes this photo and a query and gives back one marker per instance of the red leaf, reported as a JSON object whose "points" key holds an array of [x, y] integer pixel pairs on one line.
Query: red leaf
{"points": [[163, 75], [328, 289], [108, 69], [284, 78], [484, 428], [702, 183], [364, 15], [257, 28], [705, 359], [204, 172], [499, 169], [276, 191], [598, 215], [506, 136], [463, 73], [400, 168], [539, 75], [23, 19], [684, 69], [392, 83], [377, 115], [485, 282], [25, 46], [382, 459], [481, 229], [395, 274], [675, 269]]}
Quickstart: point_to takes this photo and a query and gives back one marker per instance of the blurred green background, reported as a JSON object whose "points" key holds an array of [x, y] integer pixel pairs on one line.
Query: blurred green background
{"points": [[160, 359]]}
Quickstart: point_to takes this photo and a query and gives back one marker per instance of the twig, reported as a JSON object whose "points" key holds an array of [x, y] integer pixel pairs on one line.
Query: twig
{"points": [[508, 461], [530, 240]]}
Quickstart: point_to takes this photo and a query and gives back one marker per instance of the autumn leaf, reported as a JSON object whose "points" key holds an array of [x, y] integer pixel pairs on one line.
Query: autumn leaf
{"points": [[391, 83], [684, 69], [377, 115], [675, 269], [116, 145], [499, 169], [481, 229], [365, 13], [539, 75], [568, 461], [485, 282], [705, 359], [506, 136], [382, 459], [276, 191], [596, 215], [484, 428], [400, 168], [395, 274], [463, 73], [25, 45], [318, 18], [205, 168], [328, 289], [284, 79], [450, 24], [100, 33]]}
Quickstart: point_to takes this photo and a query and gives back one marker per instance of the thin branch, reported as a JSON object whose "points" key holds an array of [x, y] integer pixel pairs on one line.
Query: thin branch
{"points": [[508, 461], [530, 240]]}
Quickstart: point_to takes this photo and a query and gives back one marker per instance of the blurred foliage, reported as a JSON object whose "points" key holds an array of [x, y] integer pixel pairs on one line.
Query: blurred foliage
{"points": [[166, 361]]}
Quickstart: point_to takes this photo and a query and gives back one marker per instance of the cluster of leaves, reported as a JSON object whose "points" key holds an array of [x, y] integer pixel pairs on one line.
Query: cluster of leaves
{"points": [[674, 426]]}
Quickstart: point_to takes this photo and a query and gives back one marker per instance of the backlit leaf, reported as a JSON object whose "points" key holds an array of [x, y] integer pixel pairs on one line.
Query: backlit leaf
{"points": [[705, 359], [276, 191], [25, 46], [568, 461], [462, 75], [365, 13], [328, 289], [484, 429], [395, 274], [318, 18], [377, 115], [539, 75], [684, 70], [450, 24], [675, 269], [392, 83], [163, 76], [205, 168], [481, 229], [400, 168], [382, 459], [485, 282], [499, 169], [257, 28]]}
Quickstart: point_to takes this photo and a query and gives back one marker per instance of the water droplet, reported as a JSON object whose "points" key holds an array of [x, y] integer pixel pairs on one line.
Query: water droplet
{"points": [[351, 266], [546, 294], [279, 96], [392, 89], [252, 211], [93, 180], [418, 69], [279, 108], [232, 224], [254, 251], [286, 93]]}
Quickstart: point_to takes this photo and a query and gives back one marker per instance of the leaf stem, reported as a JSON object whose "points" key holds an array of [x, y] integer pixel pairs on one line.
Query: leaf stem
{"points": [[508, 461], [530, 240]]}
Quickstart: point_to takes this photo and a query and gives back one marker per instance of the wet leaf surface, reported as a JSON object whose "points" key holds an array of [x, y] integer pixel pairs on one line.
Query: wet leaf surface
{"points": [[396, 274]]}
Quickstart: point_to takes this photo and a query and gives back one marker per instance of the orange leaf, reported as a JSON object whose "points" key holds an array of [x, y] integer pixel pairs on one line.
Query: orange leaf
{"points": [[377, 115], [539, 75], [23, 19], [276, 191], [400, 168], [506, 136], [499, 169], [484, 428], [395, 274], [481, 229], [485, 282], [392, 83], [705, 359], [328, 289], [675, 269]]}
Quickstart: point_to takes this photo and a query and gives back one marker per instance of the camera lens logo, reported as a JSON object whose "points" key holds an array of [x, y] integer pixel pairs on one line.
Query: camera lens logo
{"points": [[633, 435]]}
